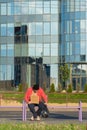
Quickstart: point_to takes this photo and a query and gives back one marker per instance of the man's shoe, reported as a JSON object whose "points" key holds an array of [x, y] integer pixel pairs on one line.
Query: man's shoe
{"points": [[38, 118], [32, 118]]}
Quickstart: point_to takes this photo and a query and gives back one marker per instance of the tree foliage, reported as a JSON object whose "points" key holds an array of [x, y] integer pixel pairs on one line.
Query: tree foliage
{"points": [[52, 88], [64, 72]]}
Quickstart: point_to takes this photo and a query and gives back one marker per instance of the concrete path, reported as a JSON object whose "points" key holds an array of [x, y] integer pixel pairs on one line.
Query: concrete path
{"points": [[54, 117]]}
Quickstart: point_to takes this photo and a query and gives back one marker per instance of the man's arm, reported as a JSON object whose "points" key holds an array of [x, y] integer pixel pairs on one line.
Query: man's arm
{"points": [[27, 95], [44, 96]]}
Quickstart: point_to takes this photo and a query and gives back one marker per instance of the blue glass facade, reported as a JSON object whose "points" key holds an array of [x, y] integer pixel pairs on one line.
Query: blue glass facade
{"points": [[29, 42], [36, 36], [74, 39]]}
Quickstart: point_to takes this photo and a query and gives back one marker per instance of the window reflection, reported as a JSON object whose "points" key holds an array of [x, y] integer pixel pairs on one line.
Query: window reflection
{"points": [[54, 10], [54, 28], [10, 50], [24, 7], [83, 48], [31, 29], [46, 6], [2, 72], [46, 28], [9, 72], [32, 7], [46, 49], [54, 7], [54, 74], [10, 29], [3, 9], [31, 48], [38, 28], [39, 48], [39, 7], [54, 49], [3, 29], [17, 8], [10, 8], [3, 49], [21, 34]]}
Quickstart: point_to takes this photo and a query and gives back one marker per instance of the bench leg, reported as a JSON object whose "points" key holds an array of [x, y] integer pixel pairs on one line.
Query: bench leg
{"points": [[24, 111], [80, 112]]}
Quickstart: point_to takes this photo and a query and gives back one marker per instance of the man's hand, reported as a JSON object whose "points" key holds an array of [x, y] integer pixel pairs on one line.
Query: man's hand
{"points": [[45, 103]]}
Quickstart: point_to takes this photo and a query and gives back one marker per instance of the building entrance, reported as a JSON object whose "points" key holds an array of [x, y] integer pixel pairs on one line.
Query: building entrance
{"points": [[76, 81]]}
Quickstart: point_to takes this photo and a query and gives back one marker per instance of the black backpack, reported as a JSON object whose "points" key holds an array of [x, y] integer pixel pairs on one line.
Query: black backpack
{"points": [[45, 112]]}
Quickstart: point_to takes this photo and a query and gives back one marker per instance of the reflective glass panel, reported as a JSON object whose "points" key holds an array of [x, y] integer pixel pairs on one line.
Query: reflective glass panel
{"points": [[31, 49], [31, 29], [39, 29], [2, 72], [54, 49], [24, 8], [10, 50], [39, 7], [39, 49], [3, 29], [17, 8], [46, 6], [54, 74], [46, 28], [3, 9], [10, 8], [3, 49], [31, 7], [10, 29], [46, 49], [54, 28]]}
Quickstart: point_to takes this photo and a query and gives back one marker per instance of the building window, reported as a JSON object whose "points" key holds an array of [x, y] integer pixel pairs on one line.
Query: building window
{"points": [[10, 29], [3, 30], [3, 9], [46, 28], [21, 34], [3, 49]]}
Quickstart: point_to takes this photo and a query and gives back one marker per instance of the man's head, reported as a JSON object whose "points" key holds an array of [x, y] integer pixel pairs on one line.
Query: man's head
{"points": [[36, 87]]}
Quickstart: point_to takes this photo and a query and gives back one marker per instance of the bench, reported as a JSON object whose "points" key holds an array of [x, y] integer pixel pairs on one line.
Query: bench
{"points": [[79, 108], [24, 107]]}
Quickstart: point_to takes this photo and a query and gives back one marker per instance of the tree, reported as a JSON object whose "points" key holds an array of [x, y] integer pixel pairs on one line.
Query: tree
{"points": [[64, 73], [52, 88]]}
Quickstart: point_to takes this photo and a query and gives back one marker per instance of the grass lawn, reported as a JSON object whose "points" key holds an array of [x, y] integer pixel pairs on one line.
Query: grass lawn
{"points": [[67, 97], [52, 97], [42, 126]]}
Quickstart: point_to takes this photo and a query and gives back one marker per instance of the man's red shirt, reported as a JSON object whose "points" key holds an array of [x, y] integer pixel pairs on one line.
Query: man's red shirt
{"points": [[40, 93]]}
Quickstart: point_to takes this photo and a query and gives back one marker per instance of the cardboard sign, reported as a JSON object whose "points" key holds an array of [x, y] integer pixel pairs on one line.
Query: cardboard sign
{"points": [[34, 98]]}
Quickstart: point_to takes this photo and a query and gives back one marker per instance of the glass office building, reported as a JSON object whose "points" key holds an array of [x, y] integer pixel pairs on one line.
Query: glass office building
{"points": [[36, 36], [29, 38], [74, 39]]}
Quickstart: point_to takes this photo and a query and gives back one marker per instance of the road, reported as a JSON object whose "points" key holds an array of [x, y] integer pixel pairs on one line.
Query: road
{"points": [[54, 117]]}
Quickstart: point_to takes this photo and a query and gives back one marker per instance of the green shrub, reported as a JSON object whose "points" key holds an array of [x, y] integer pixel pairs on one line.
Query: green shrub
{"points": [[52, 88], [20, 87], [69, 89], [85, 88]]}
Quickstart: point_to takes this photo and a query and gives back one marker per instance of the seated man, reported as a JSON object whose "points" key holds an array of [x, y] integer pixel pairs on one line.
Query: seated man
{"points": [[35, 96]]}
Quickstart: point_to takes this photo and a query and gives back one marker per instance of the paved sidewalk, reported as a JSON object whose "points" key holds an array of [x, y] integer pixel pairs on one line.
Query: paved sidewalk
{"points": [[54, 117]]}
